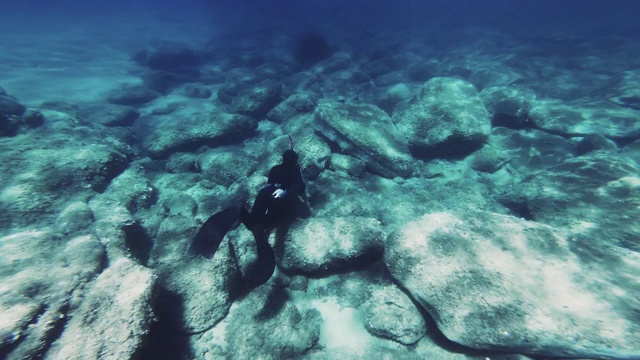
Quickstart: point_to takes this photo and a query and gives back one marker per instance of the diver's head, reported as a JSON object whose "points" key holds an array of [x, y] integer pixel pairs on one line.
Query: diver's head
{"points": [[289, 158]]}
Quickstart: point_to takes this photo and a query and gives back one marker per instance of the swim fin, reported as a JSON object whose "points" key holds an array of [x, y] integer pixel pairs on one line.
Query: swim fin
{"points": [[208, 239], [265, 265]]}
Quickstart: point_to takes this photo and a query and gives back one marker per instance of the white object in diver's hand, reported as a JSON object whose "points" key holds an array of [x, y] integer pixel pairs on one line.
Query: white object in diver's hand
{"points": [[279, 193]]}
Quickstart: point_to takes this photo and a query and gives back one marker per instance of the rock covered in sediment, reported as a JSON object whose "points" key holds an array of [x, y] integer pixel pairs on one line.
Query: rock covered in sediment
{"points": [[509, 106], [627, 92], [391, 314], [579, 118], [596, 196], [292, 106], [366, 131], [113, 318], [203, 285], [446, 118], [493, 281], [110, 114], [267, 322], [226, 166], [46, 174], [258, 100], [42, 278], [13, 114], [320, 245], [132, 95], [348, 164], [530, 150], [197, 92], [195, 130]]}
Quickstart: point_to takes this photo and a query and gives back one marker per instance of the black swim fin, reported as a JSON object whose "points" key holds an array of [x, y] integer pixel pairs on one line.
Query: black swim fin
{"points": [[208, 239], [265, 265]]}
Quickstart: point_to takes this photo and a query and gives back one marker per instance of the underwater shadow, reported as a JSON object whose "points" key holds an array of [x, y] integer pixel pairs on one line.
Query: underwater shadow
{"points": [[166, 339], [275, 302]]}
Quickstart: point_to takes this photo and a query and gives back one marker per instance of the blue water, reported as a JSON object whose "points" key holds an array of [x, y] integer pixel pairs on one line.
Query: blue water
{"points": [[67, 58]]}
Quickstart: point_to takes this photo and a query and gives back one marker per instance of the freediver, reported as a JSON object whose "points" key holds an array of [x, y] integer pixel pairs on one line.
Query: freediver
{"points": [[278, 203]]}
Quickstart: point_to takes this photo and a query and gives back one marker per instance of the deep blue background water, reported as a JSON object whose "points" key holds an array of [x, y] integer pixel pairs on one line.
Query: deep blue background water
{"points": [[588, 16]]}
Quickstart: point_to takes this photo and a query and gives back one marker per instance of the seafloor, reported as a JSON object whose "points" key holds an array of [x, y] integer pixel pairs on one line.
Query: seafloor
{"points": [[475, 193]]}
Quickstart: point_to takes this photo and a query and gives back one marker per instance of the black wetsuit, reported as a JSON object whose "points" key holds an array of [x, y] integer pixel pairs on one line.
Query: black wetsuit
{"points": [[269, 211], [275, 205]]}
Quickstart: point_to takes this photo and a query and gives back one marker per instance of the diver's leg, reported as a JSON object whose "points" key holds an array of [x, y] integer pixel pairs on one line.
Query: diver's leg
{"points": [[259, 209]]}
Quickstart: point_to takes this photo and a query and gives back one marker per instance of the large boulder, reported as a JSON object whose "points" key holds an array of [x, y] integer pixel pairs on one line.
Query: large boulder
{"points": [[447, 118], [10, 106], [11, 112], [257, 101], [196, 130], [113, 318], [509, 106], [366, 132], [497, 282], [320, 245]]}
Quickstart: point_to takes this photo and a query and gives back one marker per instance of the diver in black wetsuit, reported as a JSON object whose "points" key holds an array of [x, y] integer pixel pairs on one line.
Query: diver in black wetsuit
{"points": [[277, 202]]}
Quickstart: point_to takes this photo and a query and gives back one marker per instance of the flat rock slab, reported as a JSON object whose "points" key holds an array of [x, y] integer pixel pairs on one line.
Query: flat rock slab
{"points": [[196, 130], [320, 245], [367, 132], [493, 281], [113, 318], [596, 197], [583, 118]]}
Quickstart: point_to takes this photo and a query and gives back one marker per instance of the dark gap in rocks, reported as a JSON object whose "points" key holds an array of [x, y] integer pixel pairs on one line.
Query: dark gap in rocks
{"points": [[520, 209], [166, 338], [454, 148], [276, 301], [333, 146], [344, 266], [56, 331], [509, 121], [138, 241], [624, 141]]}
